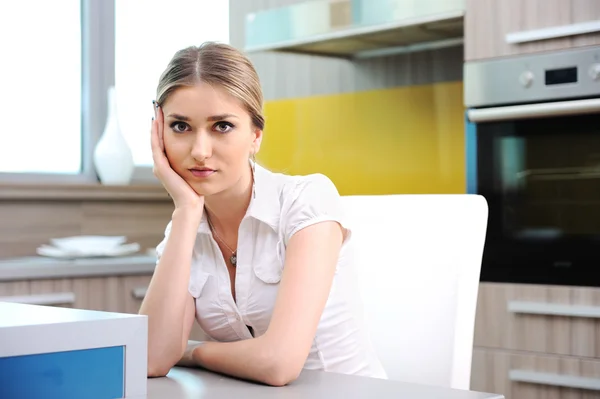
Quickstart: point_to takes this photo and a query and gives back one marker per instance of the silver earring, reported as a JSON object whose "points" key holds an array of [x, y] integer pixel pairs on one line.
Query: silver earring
{"points": [[253, 175]]}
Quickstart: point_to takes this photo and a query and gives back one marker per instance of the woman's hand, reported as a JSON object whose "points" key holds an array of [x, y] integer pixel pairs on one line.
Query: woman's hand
{"points": [[182, 193]]}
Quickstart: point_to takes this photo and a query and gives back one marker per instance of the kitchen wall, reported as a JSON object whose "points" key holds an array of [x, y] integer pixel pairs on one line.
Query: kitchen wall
{"points": [[390, 124]]}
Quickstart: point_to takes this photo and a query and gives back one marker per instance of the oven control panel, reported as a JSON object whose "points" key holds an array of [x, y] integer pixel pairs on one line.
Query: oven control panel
{"points": [[543, 77], [559, 76]]}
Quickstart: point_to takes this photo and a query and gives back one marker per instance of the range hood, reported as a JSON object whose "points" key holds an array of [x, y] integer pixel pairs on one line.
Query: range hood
{"points": [[357, 28]]}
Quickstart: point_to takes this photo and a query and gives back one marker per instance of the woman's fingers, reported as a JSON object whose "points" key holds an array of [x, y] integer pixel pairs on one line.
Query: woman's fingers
{"points": [[158, 154], [160, 119], [154, 137]]}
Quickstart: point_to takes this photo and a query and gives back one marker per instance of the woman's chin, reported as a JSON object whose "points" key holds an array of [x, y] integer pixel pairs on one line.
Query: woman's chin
{"points": [[204, 189], [201, 189]]}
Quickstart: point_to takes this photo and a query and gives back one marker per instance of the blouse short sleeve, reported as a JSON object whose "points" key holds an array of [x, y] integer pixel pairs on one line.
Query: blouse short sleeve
{"points": [[314, 199]]}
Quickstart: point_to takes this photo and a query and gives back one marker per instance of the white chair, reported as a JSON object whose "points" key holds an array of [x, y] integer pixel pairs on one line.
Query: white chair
{"points": [[418, 259]]}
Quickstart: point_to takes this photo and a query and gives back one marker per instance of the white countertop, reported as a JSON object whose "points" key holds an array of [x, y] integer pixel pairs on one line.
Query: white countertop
{"points": [[38, 267]]}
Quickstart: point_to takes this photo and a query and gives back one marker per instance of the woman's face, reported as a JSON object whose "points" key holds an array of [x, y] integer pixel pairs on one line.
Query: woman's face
{"points": [[208, 138]]}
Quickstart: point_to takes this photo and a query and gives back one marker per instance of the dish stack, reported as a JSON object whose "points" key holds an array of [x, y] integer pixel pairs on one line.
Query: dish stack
{"points": [[88, 247]]}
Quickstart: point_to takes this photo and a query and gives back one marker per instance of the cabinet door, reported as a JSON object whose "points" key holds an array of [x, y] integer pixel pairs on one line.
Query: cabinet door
{"points": [[51, 292], [97, 293], [133, 292], [498, 28], [539, 318], [521, 375]]}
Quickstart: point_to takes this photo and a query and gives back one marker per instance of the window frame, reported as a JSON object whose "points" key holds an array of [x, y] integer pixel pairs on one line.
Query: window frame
{"points": [[97, 75]]}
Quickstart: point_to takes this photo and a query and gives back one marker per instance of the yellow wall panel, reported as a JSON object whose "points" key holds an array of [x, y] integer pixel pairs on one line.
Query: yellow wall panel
{"points": [[398, 140]]}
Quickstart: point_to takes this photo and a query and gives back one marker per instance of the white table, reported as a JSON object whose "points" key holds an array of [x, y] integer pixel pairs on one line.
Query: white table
{"points": [[187, 383]]}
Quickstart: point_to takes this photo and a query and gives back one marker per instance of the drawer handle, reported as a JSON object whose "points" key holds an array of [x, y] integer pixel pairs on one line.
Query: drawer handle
{"points": [[59, 298], [559, 380], [553, 32], [139, 292], [554, 309]]}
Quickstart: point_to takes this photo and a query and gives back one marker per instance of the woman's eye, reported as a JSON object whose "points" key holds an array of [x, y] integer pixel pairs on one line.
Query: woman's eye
{"points": [[223, 127], [179, 127]]}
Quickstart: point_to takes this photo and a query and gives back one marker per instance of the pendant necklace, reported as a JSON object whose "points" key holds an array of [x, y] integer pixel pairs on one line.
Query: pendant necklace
{"points": [[233, 257]]}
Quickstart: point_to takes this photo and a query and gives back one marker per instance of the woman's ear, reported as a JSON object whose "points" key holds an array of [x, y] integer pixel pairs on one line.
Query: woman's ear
{"points": [[257, 136]]}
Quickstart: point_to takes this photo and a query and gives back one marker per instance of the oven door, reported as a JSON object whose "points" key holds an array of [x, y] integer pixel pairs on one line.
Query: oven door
{"points": [[538, 166]]}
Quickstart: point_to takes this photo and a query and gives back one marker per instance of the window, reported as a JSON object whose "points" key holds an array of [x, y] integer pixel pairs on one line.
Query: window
{"points": [[56, 71], [147, 34], [40, 77]]}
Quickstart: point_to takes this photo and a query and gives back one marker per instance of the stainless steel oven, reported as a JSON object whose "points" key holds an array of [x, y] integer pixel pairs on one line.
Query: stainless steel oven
{"points": [[533, 151]]}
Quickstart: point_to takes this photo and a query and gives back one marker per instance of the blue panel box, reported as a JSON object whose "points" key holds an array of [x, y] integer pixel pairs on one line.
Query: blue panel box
{"points": [[48, 352]]}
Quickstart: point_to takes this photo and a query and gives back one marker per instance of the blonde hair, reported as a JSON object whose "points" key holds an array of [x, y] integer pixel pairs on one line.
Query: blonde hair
{"points": [[216, 64]]}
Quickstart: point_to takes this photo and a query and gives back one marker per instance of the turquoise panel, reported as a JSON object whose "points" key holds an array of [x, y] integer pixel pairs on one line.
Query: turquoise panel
{"points": [[90, 374]]}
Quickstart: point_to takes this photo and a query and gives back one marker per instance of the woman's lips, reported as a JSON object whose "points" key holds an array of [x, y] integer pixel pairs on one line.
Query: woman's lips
{"points": [[202, 172]]}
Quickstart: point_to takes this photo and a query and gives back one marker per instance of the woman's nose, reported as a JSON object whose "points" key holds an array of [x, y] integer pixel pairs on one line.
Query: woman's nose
{"points": [[202, 148]]}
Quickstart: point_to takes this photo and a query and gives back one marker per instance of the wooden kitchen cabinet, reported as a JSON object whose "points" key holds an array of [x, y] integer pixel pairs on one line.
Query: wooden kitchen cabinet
{"points": [[95, 293], [491, 25], [56, 292], [539, 318], [537, 341], [133, 291], [533, 376], [121, 294], [98, 293]]}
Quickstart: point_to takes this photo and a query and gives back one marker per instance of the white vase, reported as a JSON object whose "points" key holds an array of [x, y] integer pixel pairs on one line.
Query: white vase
{"points": [[113, 159]]}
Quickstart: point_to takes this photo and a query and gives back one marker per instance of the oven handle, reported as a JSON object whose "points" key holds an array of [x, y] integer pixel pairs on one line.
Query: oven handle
{"points": [[527, 111]]}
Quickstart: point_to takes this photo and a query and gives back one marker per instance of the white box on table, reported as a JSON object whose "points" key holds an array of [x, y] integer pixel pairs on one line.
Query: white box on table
{"points": [[71, 353]]}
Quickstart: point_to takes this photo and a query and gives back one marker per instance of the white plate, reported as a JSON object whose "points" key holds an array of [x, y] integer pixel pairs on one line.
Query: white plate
{"points": [[88, 243], [121, 250]]}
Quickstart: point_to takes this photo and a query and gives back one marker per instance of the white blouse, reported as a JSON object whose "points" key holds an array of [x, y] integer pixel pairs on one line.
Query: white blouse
{"points": [[283, 205]]}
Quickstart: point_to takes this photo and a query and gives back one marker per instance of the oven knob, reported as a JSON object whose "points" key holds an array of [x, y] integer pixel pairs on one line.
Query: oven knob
{"points": [[595, 72], [526, 78]]}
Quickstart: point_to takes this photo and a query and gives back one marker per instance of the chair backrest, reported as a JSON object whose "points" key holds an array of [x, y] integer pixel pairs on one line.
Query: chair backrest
{"points": [[418, 259]]}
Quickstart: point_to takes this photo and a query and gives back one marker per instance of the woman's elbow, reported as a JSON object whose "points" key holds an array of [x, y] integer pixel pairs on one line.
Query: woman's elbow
{"points": [[159, 366], [282, 372], [280, 365], [157, 370], [280, 378]]}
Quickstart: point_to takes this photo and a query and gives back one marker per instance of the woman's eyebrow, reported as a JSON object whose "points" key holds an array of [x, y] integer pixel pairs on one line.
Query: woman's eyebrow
{"points": [[220, 117], [210, 118], [180, 117]]}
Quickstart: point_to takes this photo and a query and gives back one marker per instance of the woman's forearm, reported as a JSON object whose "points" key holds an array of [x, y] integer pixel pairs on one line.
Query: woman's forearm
{"points": [[165, 299], [250, 359]]}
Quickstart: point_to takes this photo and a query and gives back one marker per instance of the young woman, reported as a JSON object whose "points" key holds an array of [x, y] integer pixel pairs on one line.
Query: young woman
{"points": [[261, 260]]}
